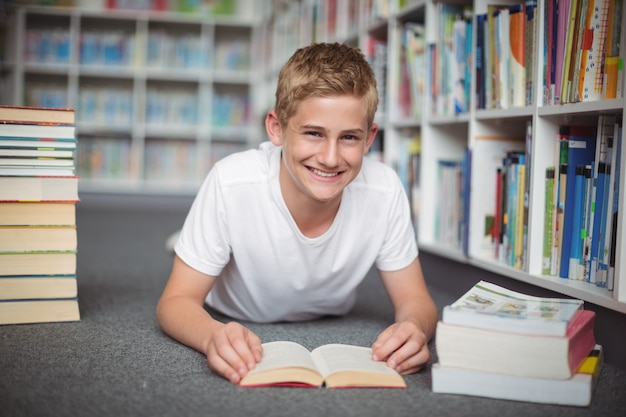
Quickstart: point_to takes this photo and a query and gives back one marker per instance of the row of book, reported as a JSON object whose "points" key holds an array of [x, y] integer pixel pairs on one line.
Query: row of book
{"points": [[412, 88], [186, 6], [175, 51], [582, 202], [166, 161], [376, 54], [448, 71], [104, 158], [121, 48], [105, 105], [582, 59], [505, 55], [451, 176], [47, 94], [497, 343], [38, 236], [113, 105]]}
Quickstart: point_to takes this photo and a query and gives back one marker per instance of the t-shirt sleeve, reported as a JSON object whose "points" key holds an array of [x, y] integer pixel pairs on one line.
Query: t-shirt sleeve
{"points": [[203, 243], [399, 248]]}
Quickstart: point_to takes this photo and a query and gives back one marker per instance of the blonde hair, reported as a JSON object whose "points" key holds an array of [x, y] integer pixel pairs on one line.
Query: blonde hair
{"points": [[325, 70]]}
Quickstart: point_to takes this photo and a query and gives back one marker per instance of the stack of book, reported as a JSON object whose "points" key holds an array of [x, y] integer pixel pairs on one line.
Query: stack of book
{"points": [[497, 343], [38, 194]]}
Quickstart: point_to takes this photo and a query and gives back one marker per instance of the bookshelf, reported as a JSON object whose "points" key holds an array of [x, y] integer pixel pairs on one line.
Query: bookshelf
{"points": [[446, 134], [159, 95]]}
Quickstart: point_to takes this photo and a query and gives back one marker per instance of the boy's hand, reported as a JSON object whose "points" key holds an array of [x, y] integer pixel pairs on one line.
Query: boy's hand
{"points": [[403, 346], [233, 351]]}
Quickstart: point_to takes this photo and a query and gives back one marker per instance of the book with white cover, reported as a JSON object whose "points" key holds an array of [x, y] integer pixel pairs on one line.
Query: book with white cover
{"points": [[489, 306]]}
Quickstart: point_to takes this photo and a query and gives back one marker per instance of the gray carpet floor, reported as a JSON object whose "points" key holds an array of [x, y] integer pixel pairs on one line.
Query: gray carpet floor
{"points": [[117, 362]]}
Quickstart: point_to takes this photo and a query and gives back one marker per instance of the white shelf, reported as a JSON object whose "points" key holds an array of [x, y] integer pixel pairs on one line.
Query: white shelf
{"points": [[196, 102], [447, 137]]}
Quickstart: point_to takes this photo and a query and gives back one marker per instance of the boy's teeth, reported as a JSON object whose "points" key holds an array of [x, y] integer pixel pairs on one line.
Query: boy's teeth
{"points": [[324, 174]]}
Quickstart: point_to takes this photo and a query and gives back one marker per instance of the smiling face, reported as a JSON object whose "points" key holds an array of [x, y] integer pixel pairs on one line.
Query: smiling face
{"points": [[324, 143]]}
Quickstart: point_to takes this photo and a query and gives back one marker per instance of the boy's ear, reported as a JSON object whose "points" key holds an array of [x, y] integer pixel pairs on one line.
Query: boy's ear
{"points": [[273, 128], [371, 137]]}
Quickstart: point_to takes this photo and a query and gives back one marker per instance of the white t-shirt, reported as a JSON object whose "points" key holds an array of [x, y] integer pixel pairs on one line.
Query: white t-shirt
{"points": [[239, 229]]}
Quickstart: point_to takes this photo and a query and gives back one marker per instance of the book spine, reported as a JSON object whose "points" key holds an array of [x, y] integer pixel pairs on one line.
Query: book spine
{"points": [[517, 65], [546, 267]]}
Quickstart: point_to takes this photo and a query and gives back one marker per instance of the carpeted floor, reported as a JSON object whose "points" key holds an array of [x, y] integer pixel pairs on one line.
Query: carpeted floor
{"points": [[116, 361]]}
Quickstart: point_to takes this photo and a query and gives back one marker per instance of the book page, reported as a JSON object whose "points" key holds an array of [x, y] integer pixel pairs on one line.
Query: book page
{"points": [[336, 357], [283, 354]]}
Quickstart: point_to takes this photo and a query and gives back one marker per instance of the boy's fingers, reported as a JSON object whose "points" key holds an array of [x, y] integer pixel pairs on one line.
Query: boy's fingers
{"points": [[221, 367], [245, 352]]}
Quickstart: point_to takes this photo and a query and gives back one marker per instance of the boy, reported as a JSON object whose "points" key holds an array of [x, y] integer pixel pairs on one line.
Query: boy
{"points": [[287, 232]]}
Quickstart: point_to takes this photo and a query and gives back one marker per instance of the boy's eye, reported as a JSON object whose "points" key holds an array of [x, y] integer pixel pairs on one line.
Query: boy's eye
{"points": [[312, 133], [351, 137]]}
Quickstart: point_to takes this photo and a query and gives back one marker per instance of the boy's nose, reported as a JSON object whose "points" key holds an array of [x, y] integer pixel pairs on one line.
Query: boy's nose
{"points": [[329, 153]]}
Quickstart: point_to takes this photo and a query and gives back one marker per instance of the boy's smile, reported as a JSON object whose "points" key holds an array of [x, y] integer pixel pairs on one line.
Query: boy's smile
{"points": [[323, 148]]}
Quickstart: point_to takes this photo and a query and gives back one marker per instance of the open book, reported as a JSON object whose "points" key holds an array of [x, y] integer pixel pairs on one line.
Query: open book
{"points": [[334, 365]]}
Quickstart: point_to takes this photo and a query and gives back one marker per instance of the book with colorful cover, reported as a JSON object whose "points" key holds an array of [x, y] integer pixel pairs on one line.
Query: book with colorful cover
{"points": [[548, 222], [490, 306], [607, 217], [596, 27], [517, 63], [581, 151], [610, 280], [613, 61]]}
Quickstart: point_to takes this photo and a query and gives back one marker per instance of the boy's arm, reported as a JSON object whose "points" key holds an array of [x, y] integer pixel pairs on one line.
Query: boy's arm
{"points": [[404, 344], [231, 349]]}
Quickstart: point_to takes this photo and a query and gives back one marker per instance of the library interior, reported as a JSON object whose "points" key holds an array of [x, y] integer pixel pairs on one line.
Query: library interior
{"points": [[501, 119]]}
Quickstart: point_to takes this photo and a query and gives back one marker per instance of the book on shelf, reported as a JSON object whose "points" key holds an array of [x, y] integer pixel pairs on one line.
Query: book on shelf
{"points": [[450, 45], [613, 65], [414, 39], [568, 47], [488, 154], [492, 307], [517, 62], [548, 222], [575, 391], [480, 61], [609, 213], [590, 83], [550, 37], [514, 353], [459, 95], [530, 32], [612, 251], [580, 151], [334, 366], [581, 193], [603, 141], [449, 219]]}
